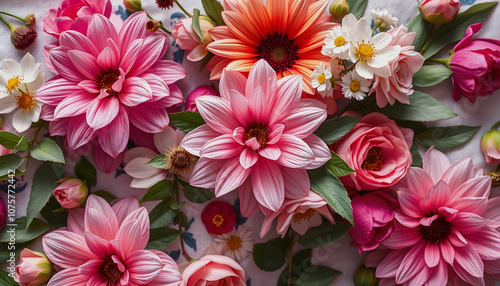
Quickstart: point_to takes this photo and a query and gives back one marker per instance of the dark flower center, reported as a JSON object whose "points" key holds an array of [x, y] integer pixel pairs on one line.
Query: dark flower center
{"points": [[373, 160], [106, 80], [278, 51], [437, 232], [307, 215], [109, 272], [165, 4], [179, 161], [259, 131]]}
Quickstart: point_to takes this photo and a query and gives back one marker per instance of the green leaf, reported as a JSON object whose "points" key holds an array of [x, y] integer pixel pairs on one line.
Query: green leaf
{"points": [[55, 218], [318, 275], [48, 150], [446, 138], [109, 197], [85, 171], [214, 10], [7, 248], [6, 280], [44, 183], [162, 214], [300, 261], [422, 28], [415, 156], [197, 195], [268, 257], [324, 234], [9, 140], [161, 238], [430, 75], [338, 166], [332, 190], [23, 233], [283, 244], [422, 107], [357, 7], [417, 127], [332, 130], [9, 162], [23, 144], [184, 220], [186, 121], [454, 30], [196, 24], [159, 161], [158, 191]]}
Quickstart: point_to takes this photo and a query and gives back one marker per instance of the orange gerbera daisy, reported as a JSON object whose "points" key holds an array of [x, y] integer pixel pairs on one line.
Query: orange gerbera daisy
{"points": [[288, 34]]}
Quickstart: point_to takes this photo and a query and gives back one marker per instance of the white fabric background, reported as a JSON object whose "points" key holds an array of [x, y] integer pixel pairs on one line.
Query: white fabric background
{"points": [[341, 255]]}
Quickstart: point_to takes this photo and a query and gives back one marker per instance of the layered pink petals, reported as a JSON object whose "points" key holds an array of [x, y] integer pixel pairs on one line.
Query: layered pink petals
{"points": [[214, 270], [259, 136]]}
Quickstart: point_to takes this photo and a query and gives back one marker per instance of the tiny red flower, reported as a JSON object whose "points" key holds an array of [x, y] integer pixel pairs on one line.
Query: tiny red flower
{"points": [[218, 217]]}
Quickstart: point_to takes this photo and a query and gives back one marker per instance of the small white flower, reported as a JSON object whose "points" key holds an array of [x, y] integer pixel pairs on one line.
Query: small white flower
{"points": [[371, 55], [18, 84], [236, 244], [385, 19], [321, 80], [337, 40], [355, 86]]}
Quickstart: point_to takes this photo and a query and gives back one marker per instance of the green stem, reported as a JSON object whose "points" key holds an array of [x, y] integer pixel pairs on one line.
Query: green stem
{"points": [[290, 260], [424, 45], [175, 190], [12, 15], [445, 61], [31, 144], [182, 8], [7, 23]]}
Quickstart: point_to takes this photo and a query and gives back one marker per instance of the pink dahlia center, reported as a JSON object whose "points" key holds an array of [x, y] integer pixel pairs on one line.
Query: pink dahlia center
{"points": [[278, 51], [437, 232], [109, 272], [259, 131], [106, 80]]}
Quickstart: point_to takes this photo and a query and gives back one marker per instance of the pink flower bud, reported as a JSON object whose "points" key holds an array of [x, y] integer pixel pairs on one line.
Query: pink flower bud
{"points": [[71, 192], [34, 269], [188, 40], [22, 37], [439, 11], [490, 145], [197, 92]]}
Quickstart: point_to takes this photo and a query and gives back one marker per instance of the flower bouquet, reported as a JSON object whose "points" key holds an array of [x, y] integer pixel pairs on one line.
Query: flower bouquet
{"points": [[319, 135]]}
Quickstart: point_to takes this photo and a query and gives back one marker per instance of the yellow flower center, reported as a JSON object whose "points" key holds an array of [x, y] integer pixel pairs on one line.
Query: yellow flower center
{"points": [[339, 41], [218, 220], [365, 52], [298, 217], [25, 101], [355, 86], [321, 78], [234, 243], [13, 83]]}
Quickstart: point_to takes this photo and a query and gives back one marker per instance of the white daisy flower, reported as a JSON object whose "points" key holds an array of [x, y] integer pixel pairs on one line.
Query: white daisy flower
{"points": [[18, 84], [383, 19], [337, 40], [371, 55], [236, 244], [355, 86], [321, 80]]}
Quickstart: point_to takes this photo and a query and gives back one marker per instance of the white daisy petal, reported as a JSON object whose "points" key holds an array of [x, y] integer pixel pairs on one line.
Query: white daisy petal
{"points": [[29, 68], [381, 40], [7, 103], [21, 121], [11, 68]]}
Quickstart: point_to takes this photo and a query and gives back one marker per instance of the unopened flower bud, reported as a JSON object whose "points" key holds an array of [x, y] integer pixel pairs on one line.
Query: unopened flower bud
{"points": [[133, 5], [490, 145], [152, 26], [439, 11], [197, 92], [364, 276], [34, 269], [22, 37], [29, 20], [71, 192], [339, 9]]}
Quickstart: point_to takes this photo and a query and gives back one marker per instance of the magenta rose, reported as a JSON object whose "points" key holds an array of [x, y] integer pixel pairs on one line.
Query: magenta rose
{"points": [[214, 270], [475, 65], [373, 220], [378, 150], [197, 92], [439, 11]]}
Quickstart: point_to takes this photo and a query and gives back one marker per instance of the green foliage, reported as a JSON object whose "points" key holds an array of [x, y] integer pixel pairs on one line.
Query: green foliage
{"points": [[186, 121], [196, 24], [9, 162], [338, 166], [159, 161], [270, 256], [105, 195], [325, 234], [48, 150], [422, 28], [161, 238], [158, 191], [430, 75], [85, 171], [332, 130], [214, 11], [13, 141], [6, 280], [446, 138], [55, 218], [197, 195], [23, 232], [357, 7]]}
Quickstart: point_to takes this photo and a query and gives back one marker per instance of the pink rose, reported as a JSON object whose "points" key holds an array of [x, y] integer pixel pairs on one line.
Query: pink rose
{"points": [[34, 269], [439, 11], [490, 145], [74, 15], [71, 192], [188, 40], [214, 270], [378, 150], [301, 214], [475, 65], [373, 220], [197, 92], [399, 85]]}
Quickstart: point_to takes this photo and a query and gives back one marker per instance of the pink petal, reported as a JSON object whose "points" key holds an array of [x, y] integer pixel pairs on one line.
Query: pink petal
{"points": [[77, 41], [240, 107], [447, 251], [248, 204], [79, 132], [409, 203], [138, 152], [432, 255], [148, 118], [456, 238], [73, 105], [159, 88], [101, 112], [63, 65], [295, 153], [459, 172], [169, 275], [100, 219], [230, 177], [301, 122], [403, 237], [56, 89], [66, 249], [99, 246], [194, 140], [435, 164], [263, 75], [476, 187], [469, 259], [100, 30], [76, 221], [217, 113], [259, 106], [104, 161], [90, 86], [468, 223], [271, 152], [131, 54], [487, 243], [90, 268], [389, 265], [138, 168], [221, 147], [205, 173], [143, 266], [320, 150], [151, 51], [471, 205], [135, 91], [268, 184], [248, 158], [275, 132], [419, 182], [412, 264], [85, 63], [296, 181], [493, 211], [252, 143], [124, 207], [134, 233], [229, 81], [289, 92], [132, 29], [69, 276], [169, 71], [114, 137], [438, 196]]}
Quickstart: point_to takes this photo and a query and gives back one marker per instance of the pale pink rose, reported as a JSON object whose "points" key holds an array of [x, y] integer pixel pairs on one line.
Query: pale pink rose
{"points": [[214, 270], [439, 11], [301, 214], [490, 145], [197, 92], [373, 220], [378, 150], [34, 269], [398, 86], [188, 40], [71, 193]]}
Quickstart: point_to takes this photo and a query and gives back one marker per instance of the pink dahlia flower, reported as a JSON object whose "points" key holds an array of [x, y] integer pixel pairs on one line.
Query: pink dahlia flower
{"points": [[107, 80], [258, 138], [106, 247], [301, 214], [446, 226]]}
